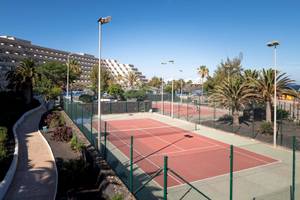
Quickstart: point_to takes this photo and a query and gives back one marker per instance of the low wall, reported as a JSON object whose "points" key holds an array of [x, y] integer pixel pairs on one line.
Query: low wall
{"points": [[4, 185]]}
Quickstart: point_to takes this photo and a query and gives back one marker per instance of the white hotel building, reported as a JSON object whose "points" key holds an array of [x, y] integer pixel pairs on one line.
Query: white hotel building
{"points": [[13, 50]]}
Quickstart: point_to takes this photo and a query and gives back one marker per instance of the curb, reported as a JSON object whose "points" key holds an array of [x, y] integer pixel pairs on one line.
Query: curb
{"points": [[55, 167], [5, 183]]}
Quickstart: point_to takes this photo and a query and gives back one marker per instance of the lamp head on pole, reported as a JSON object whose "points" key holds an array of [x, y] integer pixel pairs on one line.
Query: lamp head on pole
{"points": [[163, 63], [171, 61], [104, 20], [273, 43]]}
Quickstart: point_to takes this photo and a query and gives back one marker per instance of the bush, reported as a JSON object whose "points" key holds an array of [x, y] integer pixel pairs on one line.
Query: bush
{"points": [[266, 128], [3, 152], [139, 95], [282, 114], [116, 91], [117, 197], [3, 135], [54, 120], [75, 144], [86, 98], [62, 134]]}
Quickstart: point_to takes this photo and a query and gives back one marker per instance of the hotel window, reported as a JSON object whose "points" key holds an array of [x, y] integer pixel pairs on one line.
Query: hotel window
{"points": [[2, 43], [11, 45]]}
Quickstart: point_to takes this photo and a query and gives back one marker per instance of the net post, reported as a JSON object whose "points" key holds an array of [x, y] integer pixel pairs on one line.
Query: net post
{"points": [[231, 173], [82, 117], [131, 165], [165, 177], [294, 168], [105, 138]]}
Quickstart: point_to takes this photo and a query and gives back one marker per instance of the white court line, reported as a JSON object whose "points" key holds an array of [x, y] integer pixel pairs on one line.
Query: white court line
{"points": [[158, 167], [226, 174], [193, 150], [137, 129], [165, 141]]}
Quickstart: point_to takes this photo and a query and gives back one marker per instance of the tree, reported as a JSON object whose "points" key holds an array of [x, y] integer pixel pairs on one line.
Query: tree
{"points": [[132, 80], [155, 82], [229, 68], [203, 72], [106, 79], [23, 78], [233, 93], [116, 91], [265, 88], [74, 67]]}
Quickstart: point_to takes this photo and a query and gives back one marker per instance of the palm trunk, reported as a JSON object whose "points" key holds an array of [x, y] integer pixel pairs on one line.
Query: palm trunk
{"points": [[235, 116], [268, 111]]}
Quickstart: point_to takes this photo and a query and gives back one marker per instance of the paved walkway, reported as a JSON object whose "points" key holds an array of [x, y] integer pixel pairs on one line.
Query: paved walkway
{"points": [[35, 177]]}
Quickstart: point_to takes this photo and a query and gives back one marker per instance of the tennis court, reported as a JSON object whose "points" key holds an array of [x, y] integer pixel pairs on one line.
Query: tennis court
{"points": [[189, 110], [193, 156]]}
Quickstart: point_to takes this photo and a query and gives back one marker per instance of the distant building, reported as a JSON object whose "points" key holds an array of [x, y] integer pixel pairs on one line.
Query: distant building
{"points": [[13, 50]]}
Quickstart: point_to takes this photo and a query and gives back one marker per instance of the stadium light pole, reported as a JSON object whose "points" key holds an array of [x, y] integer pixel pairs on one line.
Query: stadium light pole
{"points": [[273, 44], [101, 21], [68, 74], [162, 89], [172, 107], [180, 87]]}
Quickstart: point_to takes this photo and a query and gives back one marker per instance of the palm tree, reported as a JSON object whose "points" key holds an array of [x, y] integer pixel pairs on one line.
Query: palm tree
{"points": [[234, 94], [74, 67], [132, 79], [265, 88], [203, 72], [23, 78]]}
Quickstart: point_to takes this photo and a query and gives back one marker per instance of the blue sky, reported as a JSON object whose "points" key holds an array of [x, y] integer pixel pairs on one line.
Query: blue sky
{"points": [[148, 32]]}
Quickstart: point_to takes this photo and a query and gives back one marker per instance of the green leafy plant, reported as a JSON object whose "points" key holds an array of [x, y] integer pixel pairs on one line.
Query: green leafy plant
{"points": [[3, 135], [117, 197], [3, 152], [282, 114], [116, 91], [86, 98], [75, 144], [266, 128], [139, 95]]}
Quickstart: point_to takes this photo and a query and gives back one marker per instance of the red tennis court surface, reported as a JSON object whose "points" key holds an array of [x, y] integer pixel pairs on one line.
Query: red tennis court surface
{"points": [[193, 156], [188, 109]]}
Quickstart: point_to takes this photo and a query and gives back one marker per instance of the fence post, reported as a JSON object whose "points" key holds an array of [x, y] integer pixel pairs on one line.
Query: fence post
{"points": [[82, 118], [294, 168], [131, 165], [105, 138], [187, 110], [165, 177], [91, 131], [199, 110], [231, 173]]}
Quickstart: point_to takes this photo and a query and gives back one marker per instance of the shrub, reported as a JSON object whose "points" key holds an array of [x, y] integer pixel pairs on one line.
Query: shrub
{"points": [[62, 133], [117, 197], [3, 135], [3, 152], [86, 98], [75, 144], [135, 94], [54, 119], [266, 128], [282, 114], [116, 91]]}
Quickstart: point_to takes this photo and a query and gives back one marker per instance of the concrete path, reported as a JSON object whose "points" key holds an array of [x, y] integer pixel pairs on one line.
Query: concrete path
{"points": [[36, 175]]}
